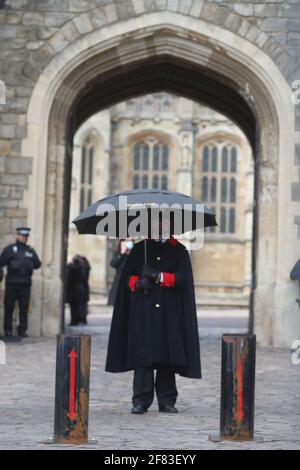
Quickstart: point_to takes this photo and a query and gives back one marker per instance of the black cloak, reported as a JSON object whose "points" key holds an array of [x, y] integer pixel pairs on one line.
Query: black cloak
{"points": [[117, 262], [160, 327]]}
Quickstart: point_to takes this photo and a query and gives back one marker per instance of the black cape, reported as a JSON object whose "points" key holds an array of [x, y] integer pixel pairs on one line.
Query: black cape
{"points": [[158, 328]]}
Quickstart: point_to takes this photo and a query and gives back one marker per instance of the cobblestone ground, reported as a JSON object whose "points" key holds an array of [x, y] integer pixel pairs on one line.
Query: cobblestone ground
{"points": [[27, 402]]}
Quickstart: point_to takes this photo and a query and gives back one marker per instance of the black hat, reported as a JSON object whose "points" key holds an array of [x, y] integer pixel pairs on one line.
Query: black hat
{"points": [[23, 231]]}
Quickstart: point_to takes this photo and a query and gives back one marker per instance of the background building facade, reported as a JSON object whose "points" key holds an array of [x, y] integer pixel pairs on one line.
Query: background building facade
{"points": [[166, 142]]}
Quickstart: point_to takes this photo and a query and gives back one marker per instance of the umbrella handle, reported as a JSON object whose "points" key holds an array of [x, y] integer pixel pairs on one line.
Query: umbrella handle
{"points": [[145, 251], [145, 259]]}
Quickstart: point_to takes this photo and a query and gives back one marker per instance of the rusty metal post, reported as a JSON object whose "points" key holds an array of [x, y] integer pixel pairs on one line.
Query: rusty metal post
{"points": [[72, 389], [237, 387]]}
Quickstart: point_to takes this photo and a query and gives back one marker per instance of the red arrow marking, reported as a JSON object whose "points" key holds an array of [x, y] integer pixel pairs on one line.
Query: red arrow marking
{"points": [[240, 389], [72, 413]]}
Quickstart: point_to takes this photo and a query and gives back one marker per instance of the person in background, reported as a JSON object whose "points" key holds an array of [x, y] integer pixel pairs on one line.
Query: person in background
{"points": [[118, 262], [20, 260], [77, 289], [86, 268]]}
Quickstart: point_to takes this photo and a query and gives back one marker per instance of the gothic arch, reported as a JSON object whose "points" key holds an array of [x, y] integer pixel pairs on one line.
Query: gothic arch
{"points": [[231, 75]]}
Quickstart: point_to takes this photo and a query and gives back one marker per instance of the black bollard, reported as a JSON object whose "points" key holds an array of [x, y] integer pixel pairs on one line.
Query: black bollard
{"points": [[72, 389], [237, 387]]}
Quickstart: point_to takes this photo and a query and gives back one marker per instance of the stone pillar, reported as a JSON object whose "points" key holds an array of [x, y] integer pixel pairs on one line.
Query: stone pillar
{"points": [[248, 231]]}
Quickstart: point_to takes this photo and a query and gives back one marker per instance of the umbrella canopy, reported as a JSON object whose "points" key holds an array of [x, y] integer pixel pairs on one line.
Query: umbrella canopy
{"points": [[186, 213]]}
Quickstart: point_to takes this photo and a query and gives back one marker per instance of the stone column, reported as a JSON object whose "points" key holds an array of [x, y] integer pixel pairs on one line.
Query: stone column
{"points": [[185, 172]]}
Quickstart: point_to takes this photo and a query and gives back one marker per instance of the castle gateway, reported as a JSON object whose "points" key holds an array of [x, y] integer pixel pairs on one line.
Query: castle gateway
{"points": [[63, 61]]}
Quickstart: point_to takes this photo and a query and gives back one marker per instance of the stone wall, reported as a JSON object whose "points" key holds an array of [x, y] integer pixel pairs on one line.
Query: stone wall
{"points": [[32, 32]]}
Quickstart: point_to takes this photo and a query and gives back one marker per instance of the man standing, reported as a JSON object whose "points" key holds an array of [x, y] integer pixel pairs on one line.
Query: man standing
{"points": [[154, 324], [20, 260], [78, 289]]}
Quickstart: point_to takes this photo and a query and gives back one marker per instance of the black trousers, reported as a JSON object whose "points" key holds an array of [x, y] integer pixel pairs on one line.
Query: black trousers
{"points": [[76, 309], [165, 387], [14, 293]]}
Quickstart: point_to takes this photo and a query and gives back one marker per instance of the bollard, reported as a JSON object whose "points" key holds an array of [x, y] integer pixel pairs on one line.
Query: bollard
{"points": [[72, 389], [237, 388]]}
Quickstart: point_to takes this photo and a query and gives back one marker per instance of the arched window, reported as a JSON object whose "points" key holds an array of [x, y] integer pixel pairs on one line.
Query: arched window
{"points": [[136, 182], [223, 220], [214, 159], [167, 103], [164, 182], [205, 159], [148, 103], [145, 157], [233, 160], [150, 164], [232, 220], [136, 157], [218, 185], [156, 157], [232, 190], [213, 229], [165, 157], [213, 190], [145, 182], [224, 159], [205, 189], [86, 180], [224, 190], [155, 182]]}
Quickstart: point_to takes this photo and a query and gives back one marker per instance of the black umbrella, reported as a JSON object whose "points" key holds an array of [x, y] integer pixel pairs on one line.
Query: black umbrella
{"points": [[113, 215]]}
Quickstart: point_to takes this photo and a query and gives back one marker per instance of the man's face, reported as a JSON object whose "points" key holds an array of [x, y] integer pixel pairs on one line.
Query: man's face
{"points": [[22, 238]]}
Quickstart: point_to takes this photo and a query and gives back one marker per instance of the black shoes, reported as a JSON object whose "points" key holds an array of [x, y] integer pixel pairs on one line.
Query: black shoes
{"points": [[167, 409], [138, 410]]}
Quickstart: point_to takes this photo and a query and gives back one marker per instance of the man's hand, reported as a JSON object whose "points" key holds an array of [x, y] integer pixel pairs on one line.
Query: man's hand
{"points": [[150, 273], [144, 283]]}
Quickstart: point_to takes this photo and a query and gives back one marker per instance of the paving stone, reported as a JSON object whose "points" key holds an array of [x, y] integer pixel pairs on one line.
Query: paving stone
{"points": [[30, 373]]}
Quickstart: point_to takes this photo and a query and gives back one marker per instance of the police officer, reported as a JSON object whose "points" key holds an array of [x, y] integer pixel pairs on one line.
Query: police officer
{"points": [[20, 260]]}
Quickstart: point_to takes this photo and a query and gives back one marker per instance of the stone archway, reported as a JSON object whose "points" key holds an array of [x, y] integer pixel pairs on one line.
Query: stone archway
{"points": [[233, 76]]}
